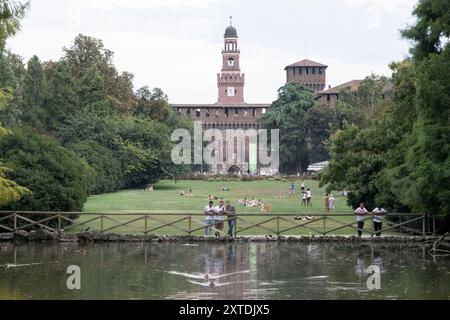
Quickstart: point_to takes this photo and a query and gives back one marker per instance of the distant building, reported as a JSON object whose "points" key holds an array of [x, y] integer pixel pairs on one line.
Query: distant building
{"points": [[317, 167], [309, 73], [330, 96], [230, 111]]}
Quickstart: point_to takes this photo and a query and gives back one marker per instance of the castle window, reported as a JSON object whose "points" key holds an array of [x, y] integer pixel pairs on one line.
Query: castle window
{"points": [[231, 62], [217, 113], [197, 113], [307, 70], [328, 97], [313, 70], [300, 70], [254, 112], [245, 113], [188, 112], [207, 112], [293, 70], [264, 110], [320, 70], [226, 112], [236, 112]]}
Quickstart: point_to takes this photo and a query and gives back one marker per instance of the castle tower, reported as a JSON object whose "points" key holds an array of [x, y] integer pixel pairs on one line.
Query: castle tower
{"points": [[309, 73], [230, 81]]}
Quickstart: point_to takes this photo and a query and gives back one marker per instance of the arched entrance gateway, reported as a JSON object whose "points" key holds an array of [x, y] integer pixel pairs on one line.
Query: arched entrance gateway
{"points": [[234, 170]]}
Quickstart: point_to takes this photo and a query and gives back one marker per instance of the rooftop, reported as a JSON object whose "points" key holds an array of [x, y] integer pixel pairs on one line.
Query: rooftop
{"points": [[306, 63], [353, 85]]}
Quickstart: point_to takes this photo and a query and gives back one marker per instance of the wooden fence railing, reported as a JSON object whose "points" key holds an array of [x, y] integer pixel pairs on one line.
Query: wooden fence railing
{"points": [[192, 223]]}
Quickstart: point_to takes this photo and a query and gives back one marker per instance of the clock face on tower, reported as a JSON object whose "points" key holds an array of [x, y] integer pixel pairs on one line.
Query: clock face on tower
{"points": [[230, 91]]}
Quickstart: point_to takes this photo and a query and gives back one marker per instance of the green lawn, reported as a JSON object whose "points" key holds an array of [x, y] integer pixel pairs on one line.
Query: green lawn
{"points": [[166, 199]]}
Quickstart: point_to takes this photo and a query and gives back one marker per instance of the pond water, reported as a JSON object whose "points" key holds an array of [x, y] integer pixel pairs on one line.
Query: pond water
{"points": [[239, 271]]}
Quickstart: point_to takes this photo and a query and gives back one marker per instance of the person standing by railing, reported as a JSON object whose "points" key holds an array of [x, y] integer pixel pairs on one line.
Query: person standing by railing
{"points": [[230, 211], [327, 203], [361, 212], [378, 215], [218, 218], [209, 217]]}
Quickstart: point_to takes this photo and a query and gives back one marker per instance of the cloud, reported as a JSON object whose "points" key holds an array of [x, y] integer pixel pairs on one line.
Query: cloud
{"points": [[397, 6], [113, 4]]}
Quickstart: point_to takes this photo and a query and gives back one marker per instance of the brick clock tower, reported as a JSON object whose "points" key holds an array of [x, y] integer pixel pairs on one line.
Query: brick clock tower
{"points": [[231, 81]]}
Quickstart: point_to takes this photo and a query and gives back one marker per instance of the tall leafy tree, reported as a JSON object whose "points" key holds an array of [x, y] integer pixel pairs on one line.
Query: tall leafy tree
{"points": [[431, 31], [87, 54], [32, 95], [10, 191], [11, 12], [62, 99], [287, 114], [320, 122]]}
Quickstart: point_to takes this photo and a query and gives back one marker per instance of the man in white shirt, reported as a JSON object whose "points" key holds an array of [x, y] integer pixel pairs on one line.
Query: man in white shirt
{"points": [[379, 214], [308, 198], [209, 217], [218, 217], [361, 212]]}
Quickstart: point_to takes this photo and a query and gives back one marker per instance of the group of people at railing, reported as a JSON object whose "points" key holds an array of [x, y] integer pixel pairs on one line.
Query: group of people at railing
{"points": [[361, 216], [216, 215]]}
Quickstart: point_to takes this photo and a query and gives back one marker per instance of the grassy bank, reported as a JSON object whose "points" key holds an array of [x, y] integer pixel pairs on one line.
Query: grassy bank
{"points": [[166, 198]]}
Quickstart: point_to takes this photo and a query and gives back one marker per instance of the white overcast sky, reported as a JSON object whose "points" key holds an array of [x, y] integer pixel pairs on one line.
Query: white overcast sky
{"points": [[176, 44]]}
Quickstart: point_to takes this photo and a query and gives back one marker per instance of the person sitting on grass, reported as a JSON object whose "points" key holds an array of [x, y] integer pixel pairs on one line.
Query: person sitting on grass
{"points": [[190, 193], [182, 193], [281, 195]]}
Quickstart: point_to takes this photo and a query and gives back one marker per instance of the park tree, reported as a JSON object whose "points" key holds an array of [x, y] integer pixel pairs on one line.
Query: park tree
{"points": [[58, 179], [88, 54], [320, 122], [10, 191], [422, 181], [33, 95], [91, 91], [63, 99], [108, 175], [363, 105], [431, 32], [11, 13], [287, 114], [152, 104]]}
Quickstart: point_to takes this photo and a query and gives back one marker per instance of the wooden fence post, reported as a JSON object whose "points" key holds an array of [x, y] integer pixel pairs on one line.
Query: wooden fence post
{"points": [[434, 226], [278, 226], [146, 225], [59, 222], [101, 223], [15, 221], [424, 223], [324, 225], [190, 225]]}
